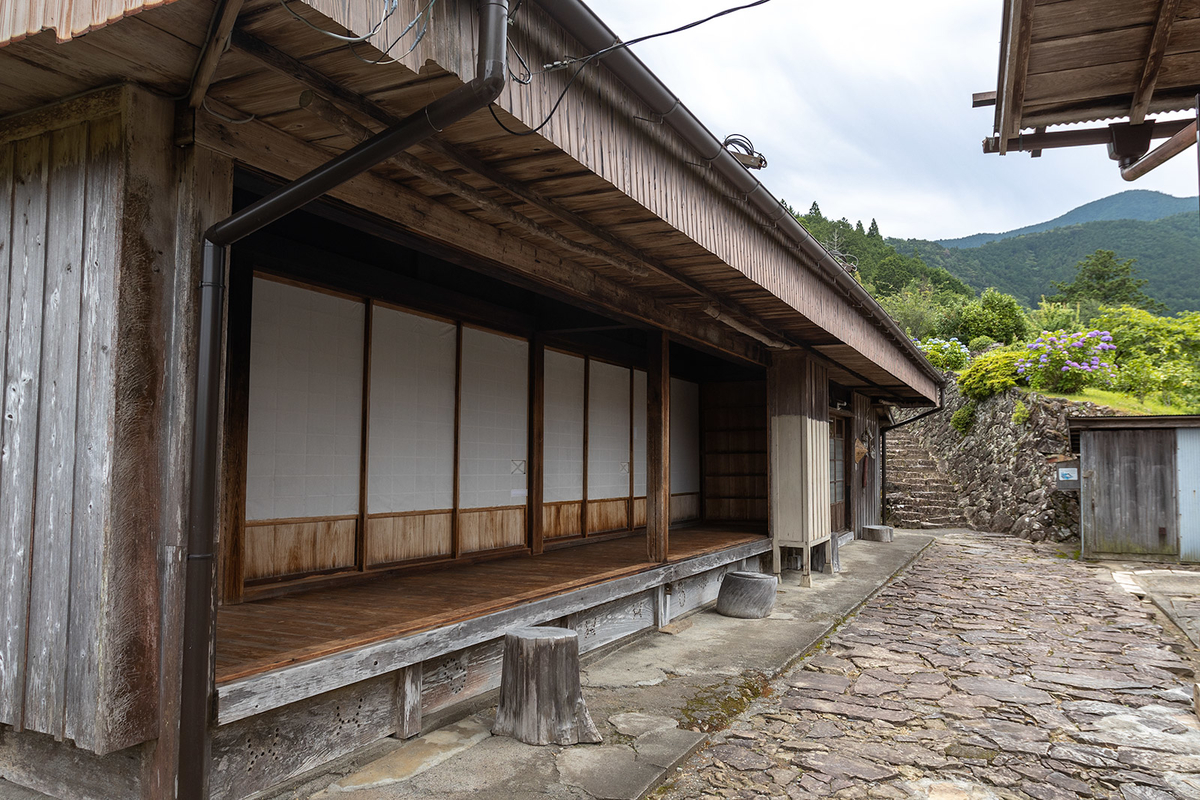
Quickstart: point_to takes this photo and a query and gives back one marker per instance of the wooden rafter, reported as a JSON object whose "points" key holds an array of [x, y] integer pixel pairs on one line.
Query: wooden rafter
{"points": [[1015, 67], [224, 17], [1154, 59]]}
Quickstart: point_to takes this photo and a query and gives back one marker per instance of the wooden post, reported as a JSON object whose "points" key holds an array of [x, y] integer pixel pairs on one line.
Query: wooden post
{"points": [[537, 441], [408, 701], [785, 476], [541, 701], [658, 446]]}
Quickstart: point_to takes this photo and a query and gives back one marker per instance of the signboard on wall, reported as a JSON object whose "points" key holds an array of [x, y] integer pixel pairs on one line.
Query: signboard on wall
{"points": [[1066, 475]]}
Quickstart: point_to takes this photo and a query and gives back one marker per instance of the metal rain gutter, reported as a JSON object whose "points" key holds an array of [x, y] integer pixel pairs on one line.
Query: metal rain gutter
{"points": [[582, 24], [199, 619]]}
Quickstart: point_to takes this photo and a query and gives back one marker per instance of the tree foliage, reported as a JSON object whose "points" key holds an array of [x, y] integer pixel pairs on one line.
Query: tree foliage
{"points": [[1102, 278]]}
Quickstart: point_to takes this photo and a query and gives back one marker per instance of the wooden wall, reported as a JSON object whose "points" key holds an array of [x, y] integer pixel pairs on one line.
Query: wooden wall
{"points": [[864, 473], [1128, 500], [798, 490], [90, 508], [734, 423]]}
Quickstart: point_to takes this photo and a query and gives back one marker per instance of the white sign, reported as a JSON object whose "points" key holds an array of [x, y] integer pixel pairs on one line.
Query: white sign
{"points": [[1068, 473]]}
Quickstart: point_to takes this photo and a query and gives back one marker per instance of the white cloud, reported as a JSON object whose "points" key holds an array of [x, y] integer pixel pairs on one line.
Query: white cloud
{"points": [[865, 107]]}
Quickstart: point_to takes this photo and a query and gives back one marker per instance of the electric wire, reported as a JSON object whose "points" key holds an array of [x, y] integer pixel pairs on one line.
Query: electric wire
{"points": [[365, 37], [224, 118], [423, 14], [583, 62]]}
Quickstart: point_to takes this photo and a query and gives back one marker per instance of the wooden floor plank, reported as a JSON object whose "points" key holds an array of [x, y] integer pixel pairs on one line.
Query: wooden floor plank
{"points": [[256, 636]]}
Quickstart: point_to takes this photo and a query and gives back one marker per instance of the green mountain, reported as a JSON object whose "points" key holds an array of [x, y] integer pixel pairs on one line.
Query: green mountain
{"points": [[1167, 252], [1131, 204]]}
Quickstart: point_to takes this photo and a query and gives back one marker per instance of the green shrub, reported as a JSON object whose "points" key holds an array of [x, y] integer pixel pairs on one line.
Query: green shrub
{"points": [[990, 373], [945, 354], [1020, 413], [980, 343], [992, 314], [964, 418]]}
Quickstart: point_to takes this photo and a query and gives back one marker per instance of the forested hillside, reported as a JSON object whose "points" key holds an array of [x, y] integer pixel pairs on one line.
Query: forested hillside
{"points": [[1130, 204], [1167, 253]]}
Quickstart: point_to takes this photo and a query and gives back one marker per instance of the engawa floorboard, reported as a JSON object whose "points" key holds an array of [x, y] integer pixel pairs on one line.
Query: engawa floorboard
{"points": [[265, 634]]}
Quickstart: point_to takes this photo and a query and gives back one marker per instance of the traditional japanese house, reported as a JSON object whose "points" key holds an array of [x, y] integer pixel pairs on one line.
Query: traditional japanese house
{"points": [[325, 365]]}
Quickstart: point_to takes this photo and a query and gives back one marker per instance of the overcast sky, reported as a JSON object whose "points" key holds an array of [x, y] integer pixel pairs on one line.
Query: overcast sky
{"points": [[865, 107]]}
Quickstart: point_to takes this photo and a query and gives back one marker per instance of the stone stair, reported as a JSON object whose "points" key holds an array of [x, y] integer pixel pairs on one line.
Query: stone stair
{"points": [[917, 495]]}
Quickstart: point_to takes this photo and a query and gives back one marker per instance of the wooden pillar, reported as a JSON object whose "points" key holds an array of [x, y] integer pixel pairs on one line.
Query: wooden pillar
{"points": [[658, 446], [537, 443], [785, 475]]}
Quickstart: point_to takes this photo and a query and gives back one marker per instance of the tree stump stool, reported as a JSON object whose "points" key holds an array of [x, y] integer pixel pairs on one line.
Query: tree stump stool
{"points": [[541, 701], [746, 595]]}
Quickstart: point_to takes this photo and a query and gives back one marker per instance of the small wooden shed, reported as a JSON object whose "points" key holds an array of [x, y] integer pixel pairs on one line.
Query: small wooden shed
{"points": [[1140, 486]]}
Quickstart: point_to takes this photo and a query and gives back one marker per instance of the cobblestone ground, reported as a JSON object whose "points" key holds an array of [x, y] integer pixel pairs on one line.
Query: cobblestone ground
{"points": [[988, 670]]}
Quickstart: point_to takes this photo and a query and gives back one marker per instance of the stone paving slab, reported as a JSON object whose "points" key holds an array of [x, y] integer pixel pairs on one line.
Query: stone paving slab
{"points": [[1054, 684]]}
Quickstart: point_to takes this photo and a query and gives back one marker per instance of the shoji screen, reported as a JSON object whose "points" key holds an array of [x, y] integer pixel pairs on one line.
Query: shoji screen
{"points": [[639, 448], [685, 450], [410, 483], [563, 445], [494, 408], [608, 473], [305, 430]]}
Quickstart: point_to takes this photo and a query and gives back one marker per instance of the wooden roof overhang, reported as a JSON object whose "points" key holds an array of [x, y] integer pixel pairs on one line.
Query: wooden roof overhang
{"points": [[618, 207], [1081, 61]]}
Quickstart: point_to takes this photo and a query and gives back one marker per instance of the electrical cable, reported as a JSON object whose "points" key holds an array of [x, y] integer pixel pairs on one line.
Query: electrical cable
{"points": [[222, 117], [366, 37], [583, 61], [385, 60]]}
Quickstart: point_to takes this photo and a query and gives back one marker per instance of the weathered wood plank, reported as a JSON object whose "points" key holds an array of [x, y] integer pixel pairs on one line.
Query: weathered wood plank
{"points": [[256, 694], [95, 425], [48, 608], [66, 114], [61, 770], [408, 701], [21, 385], [205, 196], [658, 445]]}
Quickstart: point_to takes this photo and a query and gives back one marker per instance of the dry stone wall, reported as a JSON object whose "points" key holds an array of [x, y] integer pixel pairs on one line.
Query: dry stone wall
{"points": [[1001, 466]]}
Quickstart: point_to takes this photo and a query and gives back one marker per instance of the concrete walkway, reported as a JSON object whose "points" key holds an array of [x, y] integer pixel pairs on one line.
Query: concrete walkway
{"points": [[991, 669], [1175, 590], [654, 700]]}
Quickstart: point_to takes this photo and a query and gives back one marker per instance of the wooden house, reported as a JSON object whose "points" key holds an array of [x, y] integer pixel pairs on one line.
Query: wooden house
{"points": [[274, 483]]}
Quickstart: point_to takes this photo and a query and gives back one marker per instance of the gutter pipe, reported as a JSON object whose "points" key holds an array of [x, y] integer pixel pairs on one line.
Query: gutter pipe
{"points": [[1160, 155], [883, 432], [199, 619], [582, 24]]}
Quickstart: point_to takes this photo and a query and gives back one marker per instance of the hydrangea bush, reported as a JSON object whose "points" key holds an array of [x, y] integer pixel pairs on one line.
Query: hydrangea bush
{"points": [[945, 353], [1067, 362]]}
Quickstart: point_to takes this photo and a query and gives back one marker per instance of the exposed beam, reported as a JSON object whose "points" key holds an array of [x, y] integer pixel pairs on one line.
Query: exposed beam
{"points": [[1077, 138], [1154, 58], [982, 99], [224, 16], [267, 148], [627, 257], [1019, 30]]}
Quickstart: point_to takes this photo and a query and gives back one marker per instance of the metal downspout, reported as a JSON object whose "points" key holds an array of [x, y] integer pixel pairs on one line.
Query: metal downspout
{"points": [[199, 619], [883, 432]]}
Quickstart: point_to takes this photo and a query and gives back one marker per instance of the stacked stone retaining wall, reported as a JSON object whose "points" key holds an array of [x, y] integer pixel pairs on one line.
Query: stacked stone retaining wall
{"points": [[1003, 468]]}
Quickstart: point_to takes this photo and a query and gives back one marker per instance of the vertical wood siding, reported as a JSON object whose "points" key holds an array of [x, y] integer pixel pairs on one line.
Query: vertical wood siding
{"points": [[1128, 501], [86, 234], [67, 18]]}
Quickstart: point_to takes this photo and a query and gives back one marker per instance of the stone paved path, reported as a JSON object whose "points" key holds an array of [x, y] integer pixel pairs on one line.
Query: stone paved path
{"points": [[988, 670]]}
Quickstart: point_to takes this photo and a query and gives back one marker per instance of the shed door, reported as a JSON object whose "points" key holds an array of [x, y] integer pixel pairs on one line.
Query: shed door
{"points": [[1188, 487], [837, 473], [1128, 494]]}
